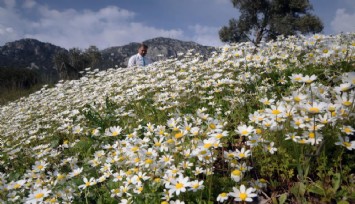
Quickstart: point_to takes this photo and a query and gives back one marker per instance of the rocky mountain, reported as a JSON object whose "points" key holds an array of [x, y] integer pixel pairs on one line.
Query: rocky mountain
{"points": [[34, 54], [30, 54]]}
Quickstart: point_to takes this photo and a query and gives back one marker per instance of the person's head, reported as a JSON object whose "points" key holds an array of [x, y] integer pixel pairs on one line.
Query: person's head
{"points": [[143, 49]]}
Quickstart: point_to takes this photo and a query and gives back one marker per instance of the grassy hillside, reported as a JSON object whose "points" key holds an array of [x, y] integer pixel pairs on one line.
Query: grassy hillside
{"points": [[272, 123]]}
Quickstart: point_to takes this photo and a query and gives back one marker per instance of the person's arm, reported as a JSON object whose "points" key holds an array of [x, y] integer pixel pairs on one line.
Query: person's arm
{"points": [[131, 61]]}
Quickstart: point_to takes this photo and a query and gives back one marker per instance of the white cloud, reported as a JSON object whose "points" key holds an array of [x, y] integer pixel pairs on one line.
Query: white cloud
{"points": [[206, 35], [11, 26], [109, 26], [343, 21], [29, 4], [223, 1], [10, 4]]}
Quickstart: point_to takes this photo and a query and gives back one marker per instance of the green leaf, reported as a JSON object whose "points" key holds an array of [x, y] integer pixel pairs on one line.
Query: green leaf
{"points": [[336, 181], [343, 202], [99, 201], [274, 200], [302, 188], [282, 198], [316, 188], [298, 189]]}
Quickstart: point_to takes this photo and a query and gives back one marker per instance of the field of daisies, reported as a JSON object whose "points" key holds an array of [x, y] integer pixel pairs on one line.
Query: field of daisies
{"points": [[267, 124]]}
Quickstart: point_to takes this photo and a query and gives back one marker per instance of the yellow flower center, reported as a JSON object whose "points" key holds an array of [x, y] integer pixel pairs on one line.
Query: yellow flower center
{"points": [[51, 200], [243, 196], [60, 176], [223, 195], [325, 121], [40, 167], [207, 145], [244, 132], [314, 110], [275, 112], [267, 102], [203, 152], [219, 136], [347, 103], [347, 130], [179, 185], [114, 133], [297, 99], [87, 183], [16, 186], [346, 144], [258, 131], [135, 148], [321, 90], [212, 126], [302, 141], [178, 135], [262, 180], [149, 161], [311, 135], [298, 78], [39, 195], [195, 186], [241, 155], [236, 172]]}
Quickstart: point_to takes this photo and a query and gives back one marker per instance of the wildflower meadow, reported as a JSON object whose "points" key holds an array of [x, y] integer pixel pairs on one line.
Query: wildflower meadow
{"points": [[267, 124]]}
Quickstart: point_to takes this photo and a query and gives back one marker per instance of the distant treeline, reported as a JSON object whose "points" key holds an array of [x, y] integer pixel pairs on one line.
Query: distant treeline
{"points": [[16, 82], [70, 64], [14, 78]]}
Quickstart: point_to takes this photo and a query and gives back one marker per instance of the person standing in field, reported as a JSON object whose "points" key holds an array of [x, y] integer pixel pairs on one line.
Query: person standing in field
{"points": [[140, 58]]}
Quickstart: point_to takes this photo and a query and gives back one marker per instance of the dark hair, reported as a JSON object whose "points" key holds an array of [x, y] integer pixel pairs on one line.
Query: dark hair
{"points": [[143, 45]]}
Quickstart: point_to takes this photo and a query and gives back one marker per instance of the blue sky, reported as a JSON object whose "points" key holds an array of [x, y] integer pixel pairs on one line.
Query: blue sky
{"points": [[106, 23]]}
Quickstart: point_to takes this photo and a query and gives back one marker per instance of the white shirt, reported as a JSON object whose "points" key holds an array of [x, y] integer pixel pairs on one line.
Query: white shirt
{"points": [[138, 60]]}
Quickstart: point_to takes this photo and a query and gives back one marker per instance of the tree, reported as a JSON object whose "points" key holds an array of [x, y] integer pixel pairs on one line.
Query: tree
{"points": [[72, 63], [94, 56], [266, 19], [61, 62]]}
